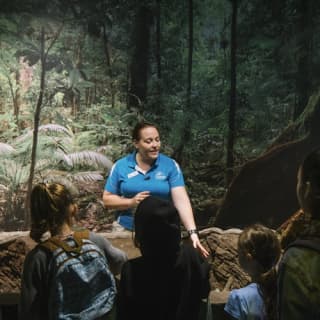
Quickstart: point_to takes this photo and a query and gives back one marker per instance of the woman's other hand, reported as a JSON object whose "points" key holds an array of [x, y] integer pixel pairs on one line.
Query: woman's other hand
{"points": [[197, 245], [139, 197]]}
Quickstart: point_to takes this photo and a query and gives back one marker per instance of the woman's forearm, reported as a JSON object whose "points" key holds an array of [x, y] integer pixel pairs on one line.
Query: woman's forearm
{"points": [[113, 201], [182, 203]]}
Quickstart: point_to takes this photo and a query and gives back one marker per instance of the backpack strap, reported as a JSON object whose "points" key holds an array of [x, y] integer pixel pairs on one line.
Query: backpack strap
{"points": [[54, 243], [311, 243], [80, 235]]}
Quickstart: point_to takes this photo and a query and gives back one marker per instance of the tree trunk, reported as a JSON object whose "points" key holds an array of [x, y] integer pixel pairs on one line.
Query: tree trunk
{"points": [[43, 58], [140, 59], [36, 125], [305, 36], [265, 189], [17, 101], [186, 134], [158, 41], [233, 88], [15, 95], [109, 66]]}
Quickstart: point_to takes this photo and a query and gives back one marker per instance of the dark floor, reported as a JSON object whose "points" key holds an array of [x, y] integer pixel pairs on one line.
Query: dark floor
{"points": [[9, 312]]}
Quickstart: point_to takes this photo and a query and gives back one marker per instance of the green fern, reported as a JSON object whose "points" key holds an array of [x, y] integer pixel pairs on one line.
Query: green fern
{"points": [[13, 173], [89, 176], [60, 158], [6, 149], [90, 158]]}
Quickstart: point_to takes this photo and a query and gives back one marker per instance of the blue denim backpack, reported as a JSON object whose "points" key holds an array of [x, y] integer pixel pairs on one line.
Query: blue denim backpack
{"points": [[81, 285]]}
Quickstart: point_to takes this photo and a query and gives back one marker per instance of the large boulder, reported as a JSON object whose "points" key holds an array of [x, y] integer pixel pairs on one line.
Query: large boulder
{"points": [[264, 190]]}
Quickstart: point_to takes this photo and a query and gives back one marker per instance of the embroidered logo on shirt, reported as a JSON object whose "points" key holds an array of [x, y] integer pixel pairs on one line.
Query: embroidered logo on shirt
{"points": [[133, 174], [160, 176]]}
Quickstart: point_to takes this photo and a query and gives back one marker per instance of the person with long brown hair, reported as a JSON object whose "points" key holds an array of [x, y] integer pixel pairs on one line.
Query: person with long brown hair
{"points": [[259, 251]]}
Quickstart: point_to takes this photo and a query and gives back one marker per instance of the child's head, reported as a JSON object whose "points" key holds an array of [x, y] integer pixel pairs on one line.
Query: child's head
{"points": [[51, 206], [308, 184], [259, 249], [157, 227]]}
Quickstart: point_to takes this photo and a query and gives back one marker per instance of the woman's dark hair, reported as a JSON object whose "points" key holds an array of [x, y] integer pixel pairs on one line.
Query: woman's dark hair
{"points": [[139, 126], [157, 227], [49, 208], [263, 245], [310, 172]]}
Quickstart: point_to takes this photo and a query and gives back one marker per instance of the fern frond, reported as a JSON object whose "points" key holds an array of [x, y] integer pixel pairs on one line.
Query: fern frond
{"points": [[6, 148], [89, 176], [52, 144], [3, 187], [64, 158], [86, 139], [45, 130], [43, 164], [53, 128], [14, 172], [22, 138], [47, 174], [90, 158], [61, 178], [4, 180]]}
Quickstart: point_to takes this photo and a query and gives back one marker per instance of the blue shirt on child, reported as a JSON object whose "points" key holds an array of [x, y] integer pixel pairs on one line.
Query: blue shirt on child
{"points": [[246, 303], [126, 179]]}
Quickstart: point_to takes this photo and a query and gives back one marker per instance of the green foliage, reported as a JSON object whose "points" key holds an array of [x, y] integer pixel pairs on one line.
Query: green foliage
{"points": [[56, 161]]}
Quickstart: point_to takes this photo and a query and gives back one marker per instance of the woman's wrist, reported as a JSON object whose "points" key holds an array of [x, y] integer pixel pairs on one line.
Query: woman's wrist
{"points": [[192, 231]]}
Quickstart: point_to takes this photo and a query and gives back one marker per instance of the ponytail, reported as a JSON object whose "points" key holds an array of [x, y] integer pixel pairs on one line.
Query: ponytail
{"points": [[49, 209], [268, 289]]}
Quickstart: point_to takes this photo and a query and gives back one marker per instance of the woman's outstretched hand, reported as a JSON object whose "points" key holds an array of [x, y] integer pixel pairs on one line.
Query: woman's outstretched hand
{"points": [[197, 245]]}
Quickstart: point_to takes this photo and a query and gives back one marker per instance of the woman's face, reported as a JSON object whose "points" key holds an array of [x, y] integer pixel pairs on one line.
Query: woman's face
{"points": [[149, 143]]}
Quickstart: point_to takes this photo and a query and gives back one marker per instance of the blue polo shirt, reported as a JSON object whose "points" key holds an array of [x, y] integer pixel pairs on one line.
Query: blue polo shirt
{"points": [[126, 179]]}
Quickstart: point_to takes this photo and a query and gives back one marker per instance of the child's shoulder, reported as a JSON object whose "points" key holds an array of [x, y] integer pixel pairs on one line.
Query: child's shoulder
{"points": [[249, 291]]}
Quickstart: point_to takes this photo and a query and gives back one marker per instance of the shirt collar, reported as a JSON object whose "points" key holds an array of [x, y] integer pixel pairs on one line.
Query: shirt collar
{"points": [[132, 160]]}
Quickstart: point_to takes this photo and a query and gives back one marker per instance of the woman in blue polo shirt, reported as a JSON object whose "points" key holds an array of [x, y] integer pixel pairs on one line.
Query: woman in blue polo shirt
{"points": [[146, 172]]}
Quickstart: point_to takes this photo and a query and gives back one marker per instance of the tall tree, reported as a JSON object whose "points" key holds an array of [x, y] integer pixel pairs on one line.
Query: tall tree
{"points": [[43, 58], [233, 93], [304, 54], [186, 134], [140, 58], [158, 38]]}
